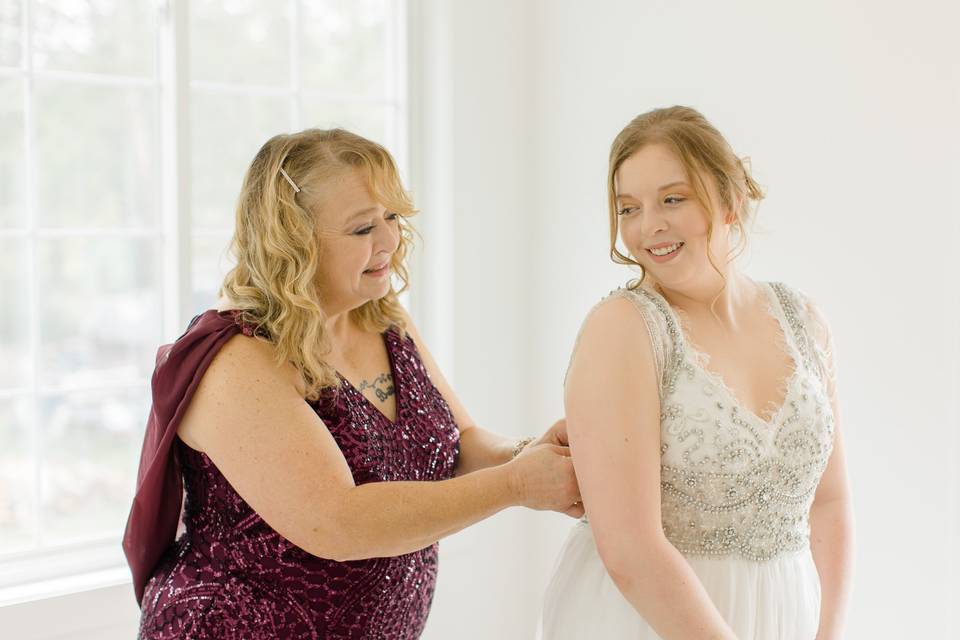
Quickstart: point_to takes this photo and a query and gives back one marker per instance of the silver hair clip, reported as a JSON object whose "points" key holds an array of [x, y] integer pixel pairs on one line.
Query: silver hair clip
{"points": [[290, 180]]}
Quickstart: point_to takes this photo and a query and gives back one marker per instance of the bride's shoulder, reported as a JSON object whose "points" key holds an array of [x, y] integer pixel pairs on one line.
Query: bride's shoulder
{"points": [[640, 298], [797, 300], [614, 329], [804, 314], [624, 309], [632, 302]]}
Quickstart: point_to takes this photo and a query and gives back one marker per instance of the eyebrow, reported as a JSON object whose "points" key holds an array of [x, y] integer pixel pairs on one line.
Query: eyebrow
{"points": [[360, 214], [676, 183]]}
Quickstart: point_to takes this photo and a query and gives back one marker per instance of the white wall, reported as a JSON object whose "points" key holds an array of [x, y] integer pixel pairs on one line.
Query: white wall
{"points": [[483, 591]]}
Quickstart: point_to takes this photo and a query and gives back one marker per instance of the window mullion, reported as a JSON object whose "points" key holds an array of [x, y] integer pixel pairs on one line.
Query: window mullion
{"points": [[33, 288], [397, 72], [296, 116], [174, 72]]}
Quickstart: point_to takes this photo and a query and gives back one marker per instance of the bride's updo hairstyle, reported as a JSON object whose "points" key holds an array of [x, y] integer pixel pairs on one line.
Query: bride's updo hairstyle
{"points": [[705, 154]]}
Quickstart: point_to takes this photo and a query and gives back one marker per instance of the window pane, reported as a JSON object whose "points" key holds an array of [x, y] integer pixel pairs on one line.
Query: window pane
{"points": [[107, 36], [14, 328], [16, 477], [99, 309], [240, 41], [89, 467], [10, 33], [227, 132], [368, 120], [343, 46], [211, 261], [12, 176], [97, 161]]}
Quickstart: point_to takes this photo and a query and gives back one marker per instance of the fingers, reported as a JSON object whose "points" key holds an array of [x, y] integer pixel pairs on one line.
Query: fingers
{"points": [[558, 449], [575, 510], [559, 430]]}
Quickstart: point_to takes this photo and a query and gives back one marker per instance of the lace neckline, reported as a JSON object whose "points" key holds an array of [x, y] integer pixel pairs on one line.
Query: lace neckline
{"points": [[699, 359]]}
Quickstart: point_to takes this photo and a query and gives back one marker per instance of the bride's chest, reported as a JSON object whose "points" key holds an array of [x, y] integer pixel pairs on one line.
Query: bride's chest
{"points": [[704, 428]]}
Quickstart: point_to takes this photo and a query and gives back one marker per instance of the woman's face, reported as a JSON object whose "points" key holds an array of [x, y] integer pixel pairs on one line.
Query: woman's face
{"points": [[661, 223], [358, 237]]}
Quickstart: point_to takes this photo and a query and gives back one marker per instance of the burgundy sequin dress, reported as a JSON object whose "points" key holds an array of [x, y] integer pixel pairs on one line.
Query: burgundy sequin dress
{"points": [[231, 576]]}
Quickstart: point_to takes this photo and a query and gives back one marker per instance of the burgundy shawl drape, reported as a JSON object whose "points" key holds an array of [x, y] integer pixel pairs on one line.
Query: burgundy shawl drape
{"points": [[155, 514]]}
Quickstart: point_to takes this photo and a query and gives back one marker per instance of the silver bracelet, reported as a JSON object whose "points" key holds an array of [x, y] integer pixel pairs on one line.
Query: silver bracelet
{"points": [[520, 444]]}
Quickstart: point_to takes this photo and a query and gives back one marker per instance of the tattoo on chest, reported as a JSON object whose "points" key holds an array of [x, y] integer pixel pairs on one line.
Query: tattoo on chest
{"points": [[382, 386]]}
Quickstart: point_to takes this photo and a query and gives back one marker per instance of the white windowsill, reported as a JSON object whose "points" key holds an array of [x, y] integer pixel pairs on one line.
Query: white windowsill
{"points": [[97, 605], [66, 585]]}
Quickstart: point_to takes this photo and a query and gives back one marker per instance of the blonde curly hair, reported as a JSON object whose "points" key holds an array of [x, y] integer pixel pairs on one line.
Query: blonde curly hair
{"points": [[277, 244], [704, 153]]}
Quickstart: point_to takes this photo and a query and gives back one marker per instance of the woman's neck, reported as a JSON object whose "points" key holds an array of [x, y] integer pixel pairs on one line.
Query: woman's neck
{"points": [[723, 301]]}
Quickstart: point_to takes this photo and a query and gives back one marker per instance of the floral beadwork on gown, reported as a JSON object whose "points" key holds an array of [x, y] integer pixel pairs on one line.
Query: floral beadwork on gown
{"points": [[230, 575], [732, 482]]}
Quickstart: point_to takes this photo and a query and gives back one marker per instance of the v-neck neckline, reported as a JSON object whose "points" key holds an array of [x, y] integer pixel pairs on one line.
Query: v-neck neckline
{"points": [[396, 386], [698, 358], [236, 317]]}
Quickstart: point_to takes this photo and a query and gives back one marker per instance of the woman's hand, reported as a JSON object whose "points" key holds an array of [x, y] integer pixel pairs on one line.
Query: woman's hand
{"points": [[543, 479], [556, 434]]}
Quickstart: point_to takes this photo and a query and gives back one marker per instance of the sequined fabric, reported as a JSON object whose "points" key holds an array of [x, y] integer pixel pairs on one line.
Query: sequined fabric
{"points": [[231, 576], [733, 483]]}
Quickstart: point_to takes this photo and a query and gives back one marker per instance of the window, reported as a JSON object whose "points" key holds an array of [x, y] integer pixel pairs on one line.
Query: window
{"points": [[125, 130]]}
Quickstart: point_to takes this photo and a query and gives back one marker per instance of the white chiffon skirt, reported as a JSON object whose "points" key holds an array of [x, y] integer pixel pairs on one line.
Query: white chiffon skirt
{"points": [[777, 599]]}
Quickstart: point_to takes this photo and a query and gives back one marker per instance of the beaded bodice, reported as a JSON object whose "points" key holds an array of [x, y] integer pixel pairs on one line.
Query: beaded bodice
{"points": [[733, 483]]}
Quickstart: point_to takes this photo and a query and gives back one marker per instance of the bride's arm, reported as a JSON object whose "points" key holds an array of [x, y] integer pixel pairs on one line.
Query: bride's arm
{"points": [[613, 421], [831, 517]]}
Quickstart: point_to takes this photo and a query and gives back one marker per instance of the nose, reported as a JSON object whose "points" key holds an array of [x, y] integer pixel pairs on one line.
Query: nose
{"points": [[387, 238], [652, 221]]}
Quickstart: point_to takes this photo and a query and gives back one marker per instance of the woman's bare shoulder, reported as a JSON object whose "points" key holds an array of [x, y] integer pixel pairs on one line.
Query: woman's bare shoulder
{"points": [[244, 378]]}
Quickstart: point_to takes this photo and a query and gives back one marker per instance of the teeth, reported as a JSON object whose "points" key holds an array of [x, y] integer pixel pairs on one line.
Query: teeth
{"points": [[665, 250]]}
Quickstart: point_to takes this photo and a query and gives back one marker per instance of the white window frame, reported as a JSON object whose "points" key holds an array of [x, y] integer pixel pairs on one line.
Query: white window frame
{"points": [[97, 564]]}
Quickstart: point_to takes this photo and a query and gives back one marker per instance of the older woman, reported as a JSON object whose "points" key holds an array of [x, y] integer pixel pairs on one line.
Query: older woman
{"points": [[322, 452]]}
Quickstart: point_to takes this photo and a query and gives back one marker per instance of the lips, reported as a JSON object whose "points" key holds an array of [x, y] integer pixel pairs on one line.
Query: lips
{"points": [[664, 249], [378, 272]]}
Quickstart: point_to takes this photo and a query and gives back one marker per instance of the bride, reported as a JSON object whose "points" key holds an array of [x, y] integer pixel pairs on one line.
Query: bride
{"points": [[702, 416]]}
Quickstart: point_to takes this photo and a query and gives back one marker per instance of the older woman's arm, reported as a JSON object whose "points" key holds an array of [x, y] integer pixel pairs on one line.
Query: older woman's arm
{"points": [[831, 517], [479, 448], [613, 420], [249, 417]]}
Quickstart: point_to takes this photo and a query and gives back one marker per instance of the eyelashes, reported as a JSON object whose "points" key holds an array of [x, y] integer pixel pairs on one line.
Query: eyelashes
{"points": [[366, 230], [669, 200]]}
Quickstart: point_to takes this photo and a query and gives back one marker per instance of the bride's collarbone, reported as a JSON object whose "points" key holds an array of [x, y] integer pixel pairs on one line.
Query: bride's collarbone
{"points": [[754, 366]]}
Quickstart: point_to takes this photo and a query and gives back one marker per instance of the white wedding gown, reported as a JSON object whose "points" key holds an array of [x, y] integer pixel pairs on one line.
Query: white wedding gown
{"points": [[736, 491]]}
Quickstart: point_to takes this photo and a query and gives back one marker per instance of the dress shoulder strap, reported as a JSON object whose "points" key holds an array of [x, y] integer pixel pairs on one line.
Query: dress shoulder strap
{"points": [[807, 330], [662, 331]]}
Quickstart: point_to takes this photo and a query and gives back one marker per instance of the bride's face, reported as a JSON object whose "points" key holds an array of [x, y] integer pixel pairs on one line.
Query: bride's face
{"points": [[662, 224]]}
